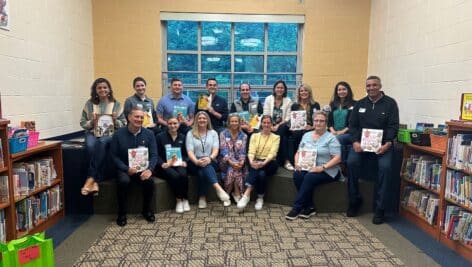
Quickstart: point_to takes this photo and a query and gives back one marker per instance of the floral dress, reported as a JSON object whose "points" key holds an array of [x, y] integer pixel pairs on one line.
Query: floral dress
{"points": [[232, 149]]}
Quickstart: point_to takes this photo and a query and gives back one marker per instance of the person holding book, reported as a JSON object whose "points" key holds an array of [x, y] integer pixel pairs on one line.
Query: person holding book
{"points": [[134, 152], [233, 156], [140, 99], [307, 105], [277, 106], [321, 168], [202, 149], [101, 116], [172, 162], [342, 103], [376, 111], [216, 106], [246, 103], [176, 104], [262, 153]]}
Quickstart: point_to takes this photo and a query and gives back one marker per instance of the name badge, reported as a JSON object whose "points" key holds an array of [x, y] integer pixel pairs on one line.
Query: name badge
{"points": [[167, 146], [254, 106], [139, 105], [362, 110]]}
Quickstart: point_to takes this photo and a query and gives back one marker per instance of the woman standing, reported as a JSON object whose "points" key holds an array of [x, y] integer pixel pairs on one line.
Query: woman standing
{"points": [[341, 105], [325, 170], [99, 129], [202, 149], [263, 148], [232, 156], [277, 106], [174, 168], [305, 102]]}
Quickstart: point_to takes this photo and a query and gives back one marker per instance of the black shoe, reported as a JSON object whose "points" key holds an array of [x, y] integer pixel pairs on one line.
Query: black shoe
{"points": [[378, 217], [353, 209], [149, 216], [307, 213], [292, 215], [121, 220]]}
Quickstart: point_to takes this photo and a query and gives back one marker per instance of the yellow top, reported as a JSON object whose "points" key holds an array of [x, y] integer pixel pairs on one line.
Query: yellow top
{"points": [[263, 146]]}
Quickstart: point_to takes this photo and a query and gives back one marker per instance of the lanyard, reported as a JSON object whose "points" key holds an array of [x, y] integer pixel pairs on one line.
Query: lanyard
{"points": [[203, 142]]}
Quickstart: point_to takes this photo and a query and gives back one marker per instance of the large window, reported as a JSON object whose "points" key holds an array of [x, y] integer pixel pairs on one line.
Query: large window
{"points": [[232, 52]]}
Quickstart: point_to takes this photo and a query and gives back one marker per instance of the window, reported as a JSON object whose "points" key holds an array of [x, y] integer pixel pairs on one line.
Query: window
{"points": [[232, 52]]}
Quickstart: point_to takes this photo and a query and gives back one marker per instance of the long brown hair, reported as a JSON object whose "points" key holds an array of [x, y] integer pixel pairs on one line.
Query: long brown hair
{"points": [[94, 98]]}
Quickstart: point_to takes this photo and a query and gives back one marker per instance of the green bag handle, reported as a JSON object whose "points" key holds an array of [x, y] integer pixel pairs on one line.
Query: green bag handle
{"points": [[26, 241], [46, 250]]}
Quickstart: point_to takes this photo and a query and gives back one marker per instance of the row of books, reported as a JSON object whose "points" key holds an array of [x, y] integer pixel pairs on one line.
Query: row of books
{"points": [[3, 232], [28, 176], [457, 224], [425, 203], [4, 195], [459, 187], [30, 211], [460, 152], [423, 170]]}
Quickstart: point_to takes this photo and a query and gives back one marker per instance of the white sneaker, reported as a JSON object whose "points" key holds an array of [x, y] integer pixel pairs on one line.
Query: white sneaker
{"points": [[202, 203], [186, 205], [222, 195], [259, 203], [236, 198], [227, 203], [242, 203], [179, 208]]}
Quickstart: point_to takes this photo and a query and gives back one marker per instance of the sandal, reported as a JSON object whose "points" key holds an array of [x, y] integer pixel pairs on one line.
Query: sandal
{"points": [[289, 166], [88, 187]]}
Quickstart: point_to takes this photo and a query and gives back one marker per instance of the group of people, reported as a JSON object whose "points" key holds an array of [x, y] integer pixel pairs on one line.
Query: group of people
{"points": [[181, 137]]}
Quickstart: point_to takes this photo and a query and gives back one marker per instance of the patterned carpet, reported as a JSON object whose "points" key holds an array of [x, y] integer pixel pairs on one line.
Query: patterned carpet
{"points": [[219, 237]]}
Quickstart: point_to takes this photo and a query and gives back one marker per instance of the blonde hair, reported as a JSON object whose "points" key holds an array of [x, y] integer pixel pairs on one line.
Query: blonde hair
{"points": [[195, 123], [231, 116], [309, 90]]}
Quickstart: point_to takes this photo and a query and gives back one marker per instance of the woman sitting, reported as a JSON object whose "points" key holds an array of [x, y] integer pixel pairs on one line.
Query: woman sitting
{"points": [[232, 157], [202, 149], [305, 103], [172, 162], [263, 149], [99, 130], [308, 175]]}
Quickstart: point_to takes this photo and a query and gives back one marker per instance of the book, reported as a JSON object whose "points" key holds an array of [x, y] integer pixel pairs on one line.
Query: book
{"points": [[4, 189], [297, 120], [255, 121], [306, 158], [180, 112], [244, 115], [104, 126], [29, 125], [138, 158], [148, 119], [371, 139], [2, 162], [174, 156], [204, 101]]}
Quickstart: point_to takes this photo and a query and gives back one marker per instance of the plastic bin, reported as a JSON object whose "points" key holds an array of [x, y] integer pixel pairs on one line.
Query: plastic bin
{"points": [[420, 139], [33, 139], [18, 144], [404, 135]]}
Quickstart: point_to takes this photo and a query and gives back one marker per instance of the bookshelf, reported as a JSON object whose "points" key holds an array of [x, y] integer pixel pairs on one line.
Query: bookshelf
{"points": [[455, 197], [5, 206], [51, 192]]}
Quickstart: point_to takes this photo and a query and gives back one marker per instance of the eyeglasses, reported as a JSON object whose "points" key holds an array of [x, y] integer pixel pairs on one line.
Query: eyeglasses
{"points": [[319, 120]]}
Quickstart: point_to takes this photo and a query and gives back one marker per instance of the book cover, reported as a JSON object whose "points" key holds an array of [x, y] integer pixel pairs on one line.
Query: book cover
{"points": [[148, 119], [371, 139], [29, 125], [255, 121], [203, 101], [138, 158], [104, 126], [180, 112], [306, 158], [297, 120], [244, 115], [174, 156]]}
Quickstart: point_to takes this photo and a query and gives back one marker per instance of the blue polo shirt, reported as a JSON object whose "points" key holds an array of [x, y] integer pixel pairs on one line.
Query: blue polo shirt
{"points": [[165, 106]]}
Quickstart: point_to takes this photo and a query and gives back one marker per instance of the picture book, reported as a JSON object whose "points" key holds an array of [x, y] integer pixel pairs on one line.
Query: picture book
{"points": [[204, 101], [244, 115], [371, 139], [180, 112], [148, 119], [306, 158], [174, 156], [138, 158], [104, 126], [29, 125], [255, 121], [297, 120]]}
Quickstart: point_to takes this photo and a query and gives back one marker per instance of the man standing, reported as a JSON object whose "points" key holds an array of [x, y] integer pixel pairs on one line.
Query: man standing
{"points": [[218, 108], [375, 111], [246, 103], [134, 152], [178, 105]]}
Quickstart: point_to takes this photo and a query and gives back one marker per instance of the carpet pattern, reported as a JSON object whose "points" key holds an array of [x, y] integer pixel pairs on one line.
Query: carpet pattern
{"points": [[226, 237]]}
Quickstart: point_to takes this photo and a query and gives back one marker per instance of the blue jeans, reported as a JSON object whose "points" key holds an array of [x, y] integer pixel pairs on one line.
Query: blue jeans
{"points": [[206, 176], [355, 164], [346, 143], [97, 149], [258, 178], [306, 182]]}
